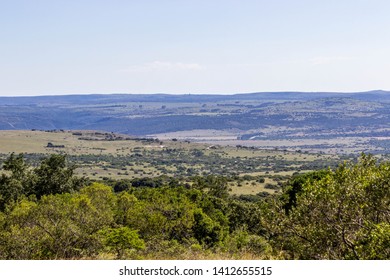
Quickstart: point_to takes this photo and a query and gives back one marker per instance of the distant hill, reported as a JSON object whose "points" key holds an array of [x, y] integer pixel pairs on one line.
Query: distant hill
{"points": [[254, 116], [183, 98]]}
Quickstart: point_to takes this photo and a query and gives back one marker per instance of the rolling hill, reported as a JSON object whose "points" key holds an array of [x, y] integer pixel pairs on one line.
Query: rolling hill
{"points": [[341, 122]]}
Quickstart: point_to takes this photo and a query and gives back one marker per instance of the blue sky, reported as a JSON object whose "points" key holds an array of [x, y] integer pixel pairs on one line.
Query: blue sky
{"points": [[172, 46]]}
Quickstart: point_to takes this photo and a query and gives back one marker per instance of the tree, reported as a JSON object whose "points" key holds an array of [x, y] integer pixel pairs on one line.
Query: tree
{"points": [[206, 230], [122, 239], [54, 176], [16, 165], [214, 185], [344, 215], [164, 213], [17, 182], [61, 226], [295, 185]]}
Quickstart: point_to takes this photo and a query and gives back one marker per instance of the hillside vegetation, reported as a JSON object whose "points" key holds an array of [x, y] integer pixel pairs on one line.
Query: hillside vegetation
{"points": [[49, 213]]}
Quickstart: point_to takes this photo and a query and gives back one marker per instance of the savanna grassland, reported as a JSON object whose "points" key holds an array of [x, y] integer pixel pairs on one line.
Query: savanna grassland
{"points": [[105, 156], [100, 195]]}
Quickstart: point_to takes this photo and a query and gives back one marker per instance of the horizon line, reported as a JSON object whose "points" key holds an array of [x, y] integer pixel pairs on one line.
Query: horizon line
{"points": [[195, 94]]}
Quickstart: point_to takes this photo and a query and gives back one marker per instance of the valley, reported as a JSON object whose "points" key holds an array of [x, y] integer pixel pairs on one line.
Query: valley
{"points": [[253, 176], [331, 123]]}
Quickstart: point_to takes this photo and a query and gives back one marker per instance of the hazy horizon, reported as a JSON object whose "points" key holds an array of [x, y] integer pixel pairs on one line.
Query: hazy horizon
{"points": [[195, 93]]}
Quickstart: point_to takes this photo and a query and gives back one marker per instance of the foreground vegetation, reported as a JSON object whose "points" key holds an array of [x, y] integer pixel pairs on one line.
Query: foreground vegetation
{"points": [[49, 213]]}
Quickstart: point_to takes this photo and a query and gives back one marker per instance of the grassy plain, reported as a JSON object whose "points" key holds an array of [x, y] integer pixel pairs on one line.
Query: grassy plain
{"points": [[101, 156]]}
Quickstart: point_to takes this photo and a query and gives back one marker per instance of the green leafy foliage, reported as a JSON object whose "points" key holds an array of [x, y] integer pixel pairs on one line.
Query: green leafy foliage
{"points": [[343, 215], [214, 185], [340, 214], [52, 176], [18, 180], [295, 186], [122, 239]]}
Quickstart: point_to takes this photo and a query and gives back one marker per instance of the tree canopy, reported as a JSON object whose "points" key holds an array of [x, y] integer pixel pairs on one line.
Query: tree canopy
{"points": [[49, 213]]}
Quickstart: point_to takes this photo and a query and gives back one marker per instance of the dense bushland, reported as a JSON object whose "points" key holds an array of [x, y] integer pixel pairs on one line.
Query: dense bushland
{"points": [[48, 213]]}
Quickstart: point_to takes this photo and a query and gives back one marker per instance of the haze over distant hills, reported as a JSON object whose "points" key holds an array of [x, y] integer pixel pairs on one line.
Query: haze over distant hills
{"points": [[271, 116], [163, 97]]}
